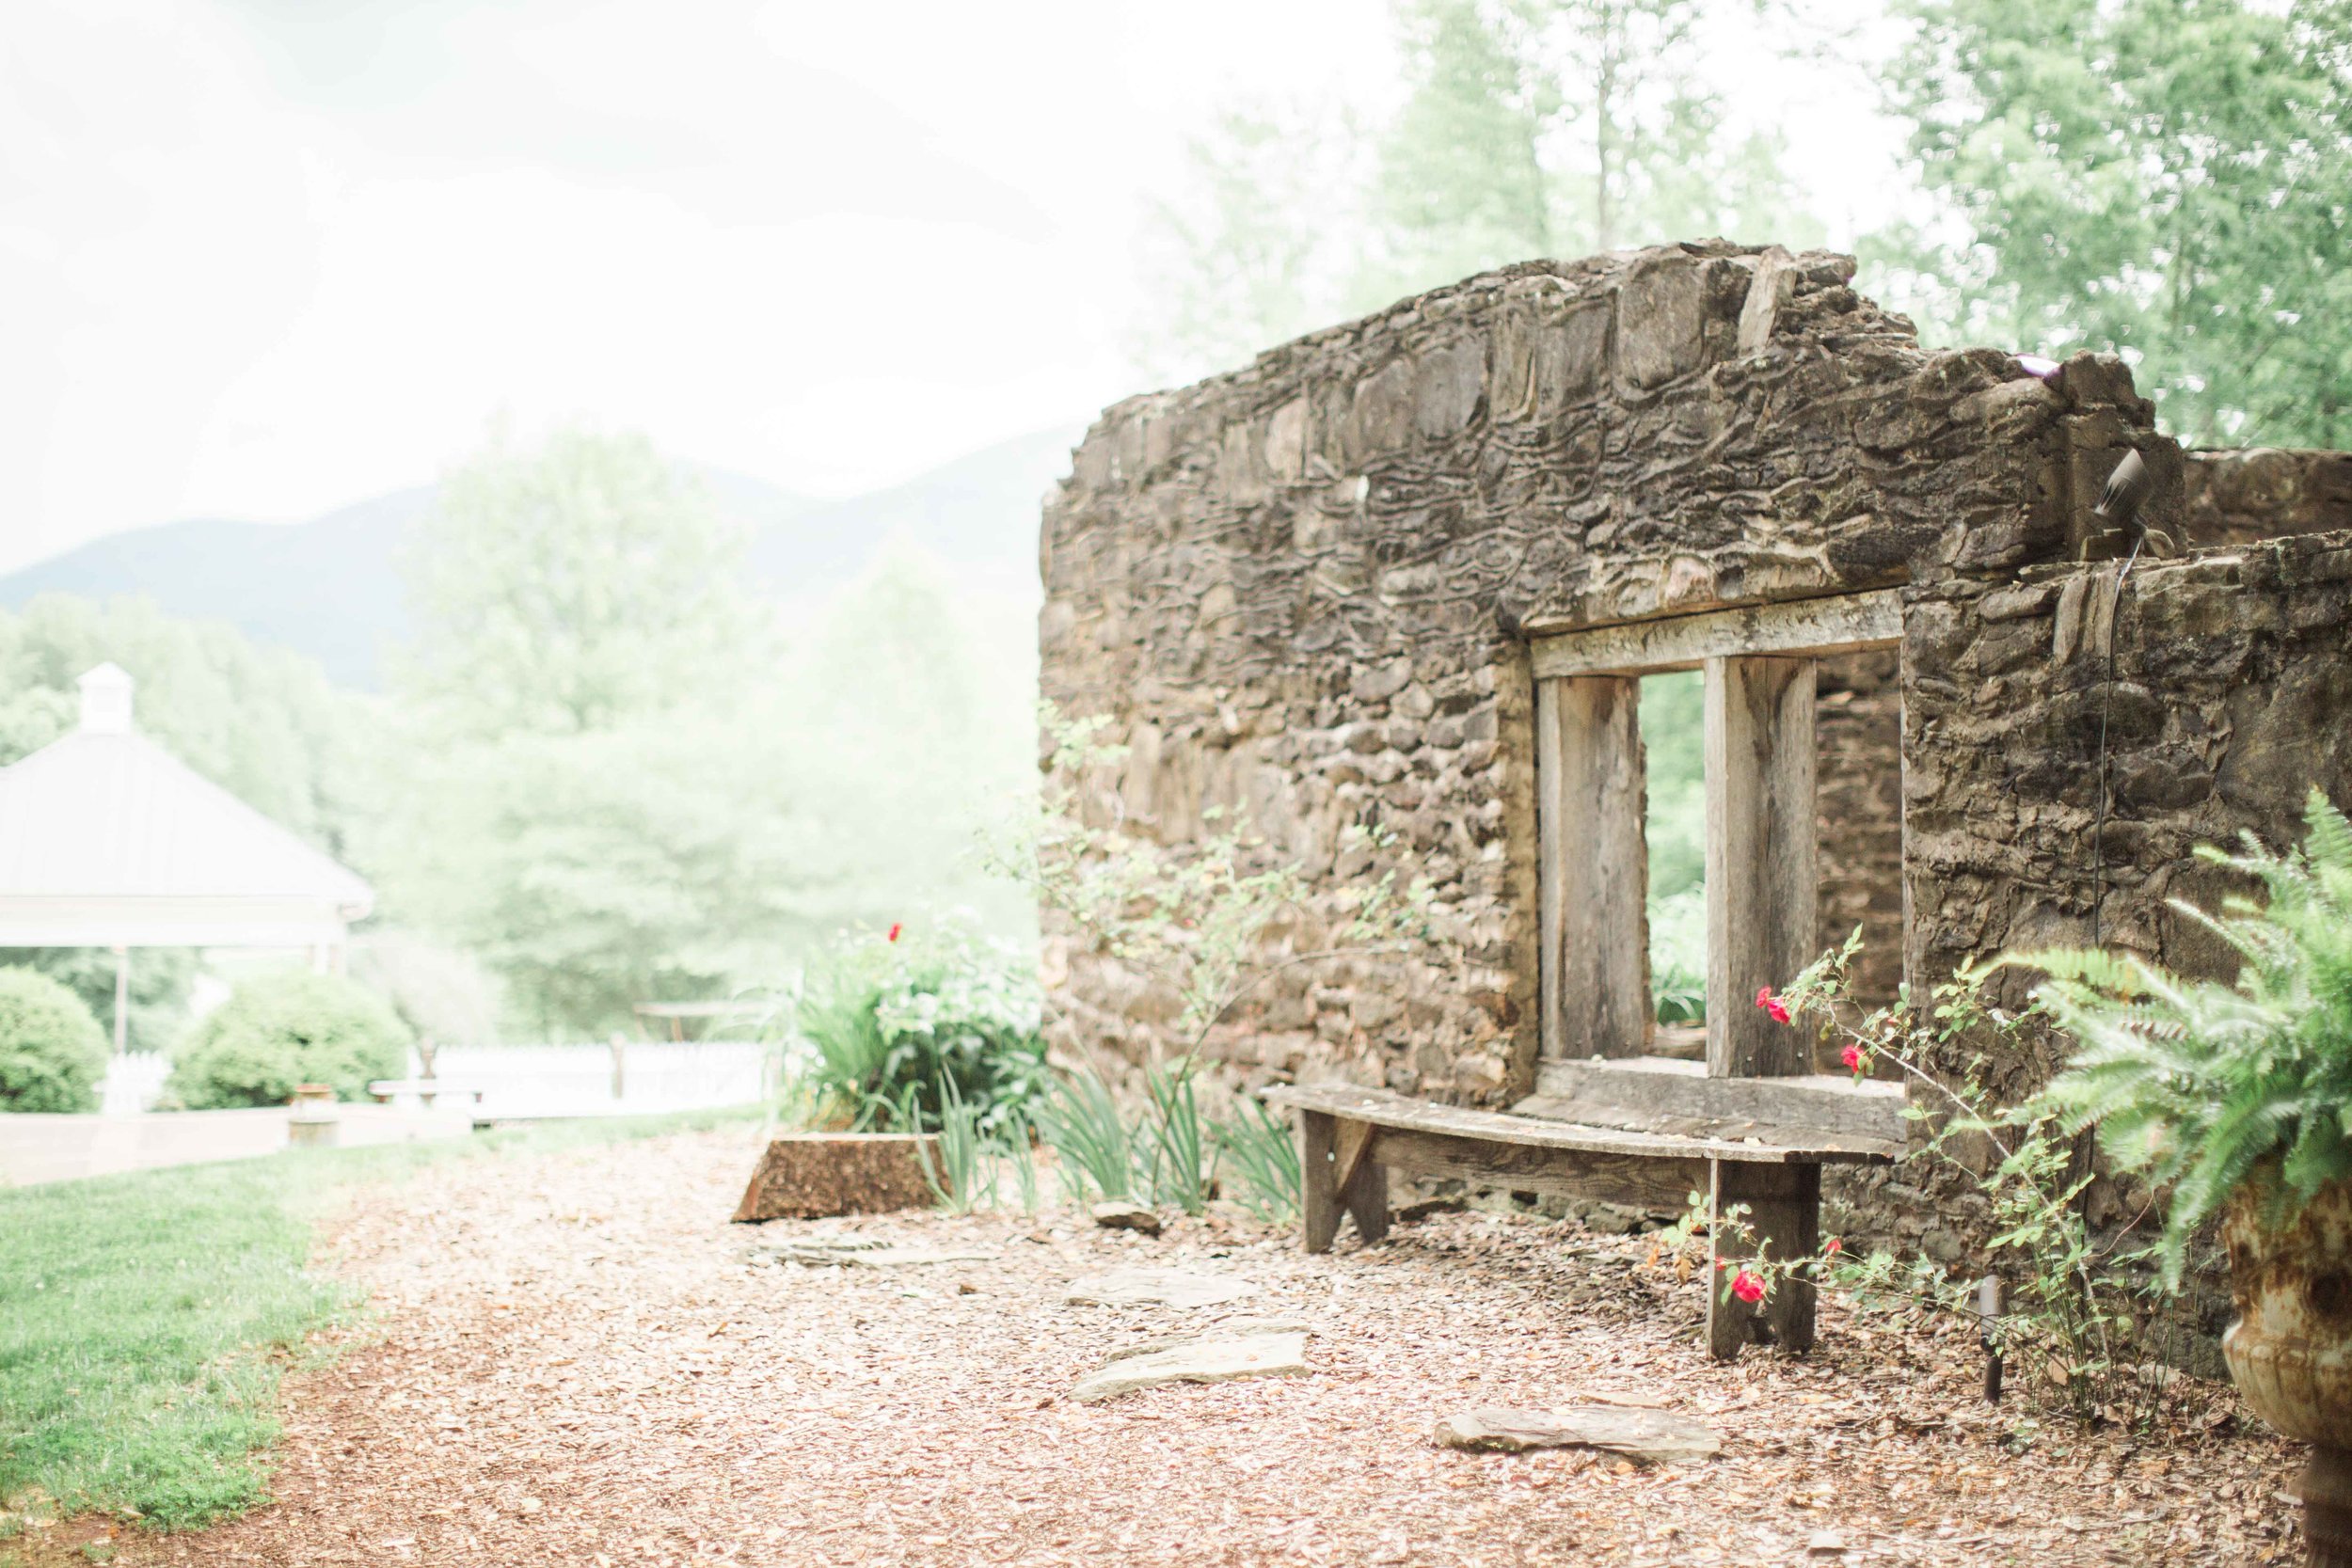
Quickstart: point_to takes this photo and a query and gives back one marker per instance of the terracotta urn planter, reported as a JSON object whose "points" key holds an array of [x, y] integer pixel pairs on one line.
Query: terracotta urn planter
{"points": [[2290, 1351]]}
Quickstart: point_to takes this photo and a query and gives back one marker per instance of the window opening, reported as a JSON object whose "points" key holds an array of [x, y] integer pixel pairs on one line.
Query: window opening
{"points": [[1672, 722]]}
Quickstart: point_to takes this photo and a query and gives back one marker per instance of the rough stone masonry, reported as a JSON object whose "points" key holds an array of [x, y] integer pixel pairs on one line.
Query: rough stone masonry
{"points": [[1304, 592]]}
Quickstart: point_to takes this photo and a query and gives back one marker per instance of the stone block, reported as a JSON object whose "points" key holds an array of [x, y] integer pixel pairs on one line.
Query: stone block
{"points": [[815, 1174], [1450, 385], [1661, 322], [1381, 419], [1773, 286]]}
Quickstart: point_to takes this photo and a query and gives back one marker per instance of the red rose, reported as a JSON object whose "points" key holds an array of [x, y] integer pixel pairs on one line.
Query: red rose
{"points": [[1833, 1247], [1852, 1056], [1772, 1004], [1747, 1287], [895, 929]]}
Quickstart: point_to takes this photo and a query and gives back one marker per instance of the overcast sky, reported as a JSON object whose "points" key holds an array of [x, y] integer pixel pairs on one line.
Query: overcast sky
{"points": [[261, 258]]}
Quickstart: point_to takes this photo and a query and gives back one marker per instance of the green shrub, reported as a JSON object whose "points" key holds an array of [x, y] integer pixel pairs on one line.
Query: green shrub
{"points": [[2206, 1087], [1677, 956], [288, 1029], [889, 1021], [52, 1052]]}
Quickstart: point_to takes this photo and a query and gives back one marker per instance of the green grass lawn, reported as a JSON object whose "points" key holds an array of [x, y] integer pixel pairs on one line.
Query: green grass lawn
{"points": [[145, 1319]]}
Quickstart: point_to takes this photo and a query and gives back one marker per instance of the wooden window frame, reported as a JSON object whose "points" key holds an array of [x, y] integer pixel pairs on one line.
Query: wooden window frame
{"points": [[1592, 871]]}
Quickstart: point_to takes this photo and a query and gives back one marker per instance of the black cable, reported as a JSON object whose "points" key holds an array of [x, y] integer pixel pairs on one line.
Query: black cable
{"points": [[2106, 707]]}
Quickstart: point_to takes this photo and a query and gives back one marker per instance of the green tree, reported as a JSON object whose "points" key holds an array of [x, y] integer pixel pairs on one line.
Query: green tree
{"points": [[1241, 256], [1530, 128], [264, 724], [911, 715], [571, 587], [2169, 179], [661, 859], [1566, 128], [1462, 181]]}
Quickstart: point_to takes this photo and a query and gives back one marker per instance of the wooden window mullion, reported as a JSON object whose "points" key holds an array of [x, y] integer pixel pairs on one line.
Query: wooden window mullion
{"points": [[1760, 858], [1594, 875]]}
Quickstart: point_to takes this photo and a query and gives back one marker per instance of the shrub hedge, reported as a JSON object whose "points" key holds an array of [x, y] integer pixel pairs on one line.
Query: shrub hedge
{"points": [[285, 1029], [53, 1054]]}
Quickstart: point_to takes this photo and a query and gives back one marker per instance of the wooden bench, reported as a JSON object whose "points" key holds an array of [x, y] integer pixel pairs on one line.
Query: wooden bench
{"points": [[1646, 1131]]}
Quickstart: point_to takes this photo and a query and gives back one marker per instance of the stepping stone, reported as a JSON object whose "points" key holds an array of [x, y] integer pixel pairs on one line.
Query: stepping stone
{"points": [[1644, 1436], [1119, 1214], [859, 1253], [1232, 1328], [1211, 1358], [1156, 1287]]}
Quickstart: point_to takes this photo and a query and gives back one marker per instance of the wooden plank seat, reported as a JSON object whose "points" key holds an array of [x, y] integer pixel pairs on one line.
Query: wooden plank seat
{"points": [[1643, 1131]]}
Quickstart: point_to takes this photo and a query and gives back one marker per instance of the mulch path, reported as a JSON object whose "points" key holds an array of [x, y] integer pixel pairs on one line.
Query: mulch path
{"points": [[573, 1362]]}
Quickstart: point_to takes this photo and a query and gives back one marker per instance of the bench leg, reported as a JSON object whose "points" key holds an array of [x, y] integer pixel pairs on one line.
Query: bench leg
{"points": [[1363, 1181], [1336, 1179], [1784, 1205], [1318, 1182]]}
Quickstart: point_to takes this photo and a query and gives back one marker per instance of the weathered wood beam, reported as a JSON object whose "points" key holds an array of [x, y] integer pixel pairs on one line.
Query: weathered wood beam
{"points": [[1318, 1185], [1784, 1216], [1809, 626], [1594, 882], [1365, 1193], [1383, 1108], [1659, 1186], [1760, 870], [1813, 1105]]}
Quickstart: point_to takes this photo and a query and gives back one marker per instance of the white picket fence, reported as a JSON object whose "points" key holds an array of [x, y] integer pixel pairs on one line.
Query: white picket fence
{"points": [[135, 1080], [526, 1082], [638, 1078]]}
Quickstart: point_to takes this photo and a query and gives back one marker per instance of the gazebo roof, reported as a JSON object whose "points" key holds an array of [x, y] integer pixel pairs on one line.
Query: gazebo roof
{"points": [[106, 839]]}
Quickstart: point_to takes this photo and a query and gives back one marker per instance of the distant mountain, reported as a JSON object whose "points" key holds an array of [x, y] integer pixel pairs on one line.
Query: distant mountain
{"points": [[979, 512], [330, 587], [326, 587]]}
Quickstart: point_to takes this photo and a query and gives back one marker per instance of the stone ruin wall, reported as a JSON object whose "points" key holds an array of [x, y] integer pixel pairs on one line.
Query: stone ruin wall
{"points": [[2234, 498], [2231, 697], [1302, 592]]}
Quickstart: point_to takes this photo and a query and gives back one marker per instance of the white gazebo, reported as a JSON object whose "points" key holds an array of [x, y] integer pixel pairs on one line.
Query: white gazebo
{"points": [[107, 840]]}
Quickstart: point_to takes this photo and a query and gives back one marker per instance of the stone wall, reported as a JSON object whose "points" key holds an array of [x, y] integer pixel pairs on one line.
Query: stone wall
{"points": [[1858, 723], [2227, 697], [2223, 684], [1303, 591], [2234, 497]]}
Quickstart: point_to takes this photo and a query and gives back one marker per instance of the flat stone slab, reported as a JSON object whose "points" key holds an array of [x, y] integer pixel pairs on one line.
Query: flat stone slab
{"points": [[859, 1253], [1644, 1436], [1118, 1214], [1232, 1328], [804, 1176], [1211, 1358], [1156, 1287]]}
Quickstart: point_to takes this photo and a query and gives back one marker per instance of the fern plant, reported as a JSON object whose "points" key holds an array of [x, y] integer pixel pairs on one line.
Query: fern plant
{"points": [[2202, 1084]]}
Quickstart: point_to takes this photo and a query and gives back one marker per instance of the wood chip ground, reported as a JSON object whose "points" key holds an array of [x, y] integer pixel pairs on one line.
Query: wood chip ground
{"points": [[572, 1361]]}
